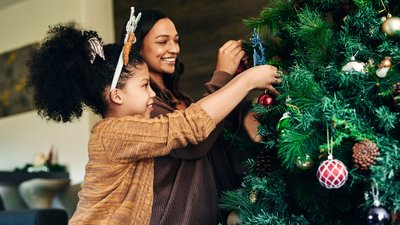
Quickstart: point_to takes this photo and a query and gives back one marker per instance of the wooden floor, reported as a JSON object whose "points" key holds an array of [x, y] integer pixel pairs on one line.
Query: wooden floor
{"points": [[203, 25]]}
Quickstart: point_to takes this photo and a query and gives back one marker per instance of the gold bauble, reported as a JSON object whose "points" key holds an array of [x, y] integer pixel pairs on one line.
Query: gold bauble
{"points": [[391, 26], [233, 218], [304, 164], [386, 62], [253, 196]]}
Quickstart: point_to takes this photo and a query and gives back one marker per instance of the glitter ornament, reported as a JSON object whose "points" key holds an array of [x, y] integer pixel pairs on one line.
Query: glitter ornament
{"points": [[354, 66], [266, 100], [332, 173], [258, 48], [391, 26]]}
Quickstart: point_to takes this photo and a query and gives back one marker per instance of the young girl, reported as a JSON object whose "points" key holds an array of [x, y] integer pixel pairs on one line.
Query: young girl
{"points": [[188, 179], [70, 71]]}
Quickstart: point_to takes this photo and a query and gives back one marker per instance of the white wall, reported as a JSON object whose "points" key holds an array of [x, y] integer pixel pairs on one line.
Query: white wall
{"points": [[25, 134]]}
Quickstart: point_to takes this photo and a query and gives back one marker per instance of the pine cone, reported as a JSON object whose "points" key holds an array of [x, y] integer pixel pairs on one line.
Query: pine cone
{"points": [[364, 154], [396, 94], [266, 160]]}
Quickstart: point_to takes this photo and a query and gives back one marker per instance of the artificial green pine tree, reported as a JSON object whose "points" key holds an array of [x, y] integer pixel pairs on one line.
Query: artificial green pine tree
{"points": [[340, 63]]}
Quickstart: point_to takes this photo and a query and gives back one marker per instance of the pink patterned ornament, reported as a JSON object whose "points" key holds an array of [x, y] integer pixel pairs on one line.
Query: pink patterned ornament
{"points": [[332, 173]]}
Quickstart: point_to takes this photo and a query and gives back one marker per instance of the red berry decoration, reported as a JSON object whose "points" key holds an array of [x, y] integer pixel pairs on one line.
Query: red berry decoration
{"points": [[332, 173], [266, 99]]}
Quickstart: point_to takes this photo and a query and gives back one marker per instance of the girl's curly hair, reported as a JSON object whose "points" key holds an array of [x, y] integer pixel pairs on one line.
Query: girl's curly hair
{"points": [[64, 81]]}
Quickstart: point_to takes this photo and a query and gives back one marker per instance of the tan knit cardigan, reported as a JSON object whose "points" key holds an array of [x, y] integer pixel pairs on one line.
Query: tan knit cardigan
{"points": [[118, 184]]}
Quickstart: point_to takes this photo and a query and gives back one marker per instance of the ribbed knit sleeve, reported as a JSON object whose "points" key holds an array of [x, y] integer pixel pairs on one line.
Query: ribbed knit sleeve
{"points": [[135, 138]]}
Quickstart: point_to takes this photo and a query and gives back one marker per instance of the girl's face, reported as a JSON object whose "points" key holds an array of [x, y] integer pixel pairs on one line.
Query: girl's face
{"points": [[137, 93], [161, 48]]}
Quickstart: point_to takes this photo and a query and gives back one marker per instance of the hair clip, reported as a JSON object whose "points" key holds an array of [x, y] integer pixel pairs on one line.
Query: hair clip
{"points": [[128, 41], [96, 48]]}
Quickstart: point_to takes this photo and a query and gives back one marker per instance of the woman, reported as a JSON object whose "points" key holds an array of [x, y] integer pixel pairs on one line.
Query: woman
{"points": [[186, 188]]}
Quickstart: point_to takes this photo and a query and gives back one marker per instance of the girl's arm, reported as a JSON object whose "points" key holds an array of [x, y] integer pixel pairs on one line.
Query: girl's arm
{"points": [[135, 138]]}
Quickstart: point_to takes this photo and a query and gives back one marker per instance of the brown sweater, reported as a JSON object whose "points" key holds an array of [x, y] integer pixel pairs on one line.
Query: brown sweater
{"points": [[118, 184], [185, 184]]}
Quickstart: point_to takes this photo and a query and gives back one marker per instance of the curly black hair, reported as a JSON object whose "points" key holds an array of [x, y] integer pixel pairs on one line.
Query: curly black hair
{"points": [[64, 81]]}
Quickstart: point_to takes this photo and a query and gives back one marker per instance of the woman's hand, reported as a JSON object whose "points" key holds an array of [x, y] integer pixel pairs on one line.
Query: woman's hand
{"points": [[229, 56]]}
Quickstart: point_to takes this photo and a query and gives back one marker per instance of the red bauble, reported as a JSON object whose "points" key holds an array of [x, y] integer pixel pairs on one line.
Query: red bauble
{"points": [[266, 100], [332, 173]]}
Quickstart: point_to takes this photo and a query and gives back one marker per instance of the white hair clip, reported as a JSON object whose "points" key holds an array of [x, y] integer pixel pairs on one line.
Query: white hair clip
{"points": [[128, 41], [96, 48]]}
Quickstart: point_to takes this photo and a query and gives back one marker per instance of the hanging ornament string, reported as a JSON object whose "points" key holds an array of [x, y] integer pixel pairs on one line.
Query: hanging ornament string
{"points": [[329, 144], [258, 49], [384, 8], [375, 195]]}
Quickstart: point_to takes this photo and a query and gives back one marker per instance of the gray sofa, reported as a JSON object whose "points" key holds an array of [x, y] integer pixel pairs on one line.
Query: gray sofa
{"points": [[32, 216]]}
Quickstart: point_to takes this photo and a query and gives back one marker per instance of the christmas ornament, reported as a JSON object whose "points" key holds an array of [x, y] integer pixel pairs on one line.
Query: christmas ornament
{"points": [[364, 154], [305, 163], [284, 122], [332, 173], [354, 66], [266, 99], [386, 62], [384, 67], [396, 93], [258, 48], [242, 66], [266, 160], [253, 196], [233, 218], [377, 215], [381, 72], [391, 26]]}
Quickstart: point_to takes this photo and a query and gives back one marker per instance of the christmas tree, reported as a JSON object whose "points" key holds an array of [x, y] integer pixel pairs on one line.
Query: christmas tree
{"points": [[333, 133]]}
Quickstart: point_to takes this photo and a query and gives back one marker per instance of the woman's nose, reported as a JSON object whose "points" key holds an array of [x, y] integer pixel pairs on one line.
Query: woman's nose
{"points": [[174, 48]]}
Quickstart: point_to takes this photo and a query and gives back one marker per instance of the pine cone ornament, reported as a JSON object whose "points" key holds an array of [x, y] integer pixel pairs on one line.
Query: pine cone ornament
{"points": [[396, 94], [266, 160], [364, 154]]}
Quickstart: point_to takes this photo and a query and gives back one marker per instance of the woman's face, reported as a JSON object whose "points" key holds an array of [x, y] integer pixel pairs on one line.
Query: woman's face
{"points": [[161, 48]]}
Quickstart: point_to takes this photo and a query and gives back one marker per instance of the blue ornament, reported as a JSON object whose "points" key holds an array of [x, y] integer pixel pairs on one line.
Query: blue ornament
{"points": [[378, 216], [258, 49]]}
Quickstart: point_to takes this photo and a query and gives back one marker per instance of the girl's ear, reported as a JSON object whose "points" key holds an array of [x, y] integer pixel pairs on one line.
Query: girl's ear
{"points": [[115, 96]]}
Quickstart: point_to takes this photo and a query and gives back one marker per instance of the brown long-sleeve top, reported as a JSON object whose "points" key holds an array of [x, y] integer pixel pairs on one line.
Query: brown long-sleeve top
{"points": [[118, 184], [185, 182]]}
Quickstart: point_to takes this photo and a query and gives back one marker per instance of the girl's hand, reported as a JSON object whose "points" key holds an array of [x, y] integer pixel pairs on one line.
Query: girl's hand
{"points": [[262, 77], [229, 56]]}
